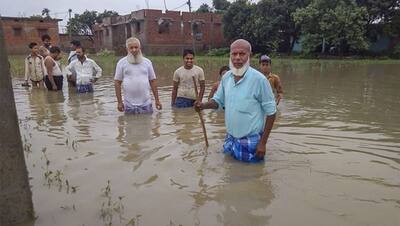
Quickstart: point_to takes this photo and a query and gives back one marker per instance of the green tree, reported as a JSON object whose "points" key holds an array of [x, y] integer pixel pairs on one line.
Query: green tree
{"points": [[264, 29], [273, 26], [340, 24], [383, 17], [392, 25], [237, 21], [46, 13], [204, 8], [82, 24], [379, 10], [221, 5]]}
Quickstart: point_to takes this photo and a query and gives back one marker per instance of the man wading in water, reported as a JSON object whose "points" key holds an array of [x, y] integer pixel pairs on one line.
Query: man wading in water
{"points": [[249, 106]]}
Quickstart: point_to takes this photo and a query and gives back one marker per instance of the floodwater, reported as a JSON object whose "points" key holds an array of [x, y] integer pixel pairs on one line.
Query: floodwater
{"points": [[333, 157]]}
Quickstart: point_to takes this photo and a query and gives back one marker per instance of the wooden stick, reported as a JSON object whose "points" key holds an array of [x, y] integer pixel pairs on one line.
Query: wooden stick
{"points": [[200, 114]]}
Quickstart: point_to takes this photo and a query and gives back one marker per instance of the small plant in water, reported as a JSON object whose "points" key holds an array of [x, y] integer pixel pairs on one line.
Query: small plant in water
{"points": [[27, 146], [109, 207], [57, 177]]}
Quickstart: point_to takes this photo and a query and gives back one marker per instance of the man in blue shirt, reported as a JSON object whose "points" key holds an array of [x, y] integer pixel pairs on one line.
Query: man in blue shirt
{"points": [[249, 105]]}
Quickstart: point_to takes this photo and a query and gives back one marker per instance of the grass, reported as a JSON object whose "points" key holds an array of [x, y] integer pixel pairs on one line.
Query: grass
{"points": [[166, 65]]}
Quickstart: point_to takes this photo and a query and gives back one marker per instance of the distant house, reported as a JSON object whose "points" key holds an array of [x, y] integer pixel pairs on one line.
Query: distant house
{"points": [[161, 33], [20, 31]]}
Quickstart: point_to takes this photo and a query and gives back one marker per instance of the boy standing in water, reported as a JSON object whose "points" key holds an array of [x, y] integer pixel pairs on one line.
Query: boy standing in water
{"points": [[183, 94], [214, 88], [34, 67], [274, 80]]}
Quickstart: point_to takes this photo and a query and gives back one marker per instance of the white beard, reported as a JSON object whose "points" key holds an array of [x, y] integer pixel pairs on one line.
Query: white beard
{"points": [[135, 59], [239, 71]]}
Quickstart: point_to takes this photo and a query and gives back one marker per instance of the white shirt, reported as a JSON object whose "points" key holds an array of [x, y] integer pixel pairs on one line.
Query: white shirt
{"points": [[56, 67], [72, 56], [135, 81], [84, 71]]}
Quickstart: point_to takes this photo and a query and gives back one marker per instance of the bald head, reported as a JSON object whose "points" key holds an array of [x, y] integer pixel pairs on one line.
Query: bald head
{"points": [[133, 46], [240, 53], [241, 43], [132, 40]]}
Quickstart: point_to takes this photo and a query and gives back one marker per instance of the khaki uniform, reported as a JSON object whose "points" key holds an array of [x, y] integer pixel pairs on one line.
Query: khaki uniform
{"points": [[34, 68]]}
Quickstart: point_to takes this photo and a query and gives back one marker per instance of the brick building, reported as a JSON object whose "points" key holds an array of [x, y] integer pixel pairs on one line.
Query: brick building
{"points": [[65, 42], [160, 33], [20, 31]]}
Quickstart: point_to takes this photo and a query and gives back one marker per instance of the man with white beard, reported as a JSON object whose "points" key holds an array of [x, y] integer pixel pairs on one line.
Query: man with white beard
{"points": [[136, 74], [249, 106]]}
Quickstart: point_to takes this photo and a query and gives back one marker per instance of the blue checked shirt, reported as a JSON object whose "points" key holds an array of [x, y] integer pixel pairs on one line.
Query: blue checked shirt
{"points": [[246, 102]]}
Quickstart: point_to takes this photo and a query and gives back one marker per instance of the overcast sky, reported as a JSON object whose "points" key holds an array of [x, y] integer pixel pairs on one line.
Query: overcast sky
{"points": [[59, 8]]}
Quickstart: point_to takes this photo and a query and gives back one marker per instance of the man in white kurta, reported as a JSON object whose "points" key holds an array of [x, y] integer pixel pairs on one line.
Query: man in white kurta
{"points": [[86, 70], [135, 74]]}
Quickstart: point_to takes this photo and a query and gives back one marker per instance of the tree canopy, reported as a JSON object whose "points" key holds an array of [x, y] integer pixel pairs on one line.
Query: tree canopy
{"points": [[321, 26], [337, 23], [204, 8], [82, 24]]}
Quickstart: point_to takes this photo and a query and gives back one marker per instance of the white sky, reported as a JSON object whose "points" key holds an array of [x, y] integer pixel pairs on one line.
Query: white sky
{"points": [[59, 8]]}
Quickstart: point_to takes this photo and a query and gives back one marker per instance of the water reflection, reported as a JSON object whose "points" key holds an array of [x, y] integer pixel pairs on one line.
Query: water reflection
{"points": [[55, 116], [185, 121], [133, 132], [245, 194], [332, 157], [134, 129], [38, 101], [83, 110]]}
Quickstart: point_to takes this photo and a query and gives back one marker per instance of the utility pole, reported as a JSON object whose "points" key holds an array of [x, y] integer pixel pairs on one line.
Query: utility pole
{"points": [[69, 27], [165, 6], [15, 194], [191, 25]]}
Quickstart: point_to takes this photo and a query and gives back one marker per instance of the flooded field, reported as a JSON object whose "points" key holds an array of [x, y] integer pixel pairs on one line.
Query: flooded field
{"points": [[333, 157]]}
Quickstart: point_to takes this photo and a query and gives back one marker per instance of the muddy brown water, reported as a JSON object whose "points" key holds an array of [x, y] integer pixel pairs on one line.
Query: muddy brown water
{"points": [[333, 157]]}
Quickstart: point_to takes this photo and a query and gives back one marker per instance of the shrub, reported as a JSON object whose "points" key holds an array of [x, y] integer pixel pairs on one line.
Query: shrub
{"points": [[218, 52]]}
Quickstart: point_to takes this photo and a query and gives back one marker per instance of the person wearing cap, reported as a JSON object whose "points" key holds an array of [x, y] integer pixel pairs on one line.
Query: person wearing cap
{"points": [[73, 56], [274, 80], [249, 104]]}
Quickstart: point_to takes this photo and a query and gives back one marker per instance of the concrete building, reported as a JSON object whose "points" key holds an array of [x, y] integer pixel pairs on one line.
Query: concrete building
{"points": [[20, 31], [161, 33]]}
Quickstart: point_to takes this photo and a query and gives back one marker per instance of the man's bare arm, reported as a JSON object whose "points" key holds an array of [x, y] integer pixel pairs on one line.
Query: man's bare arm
{"points": [[174, 92], [117, 85], [49, 68], [153, 85]]}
